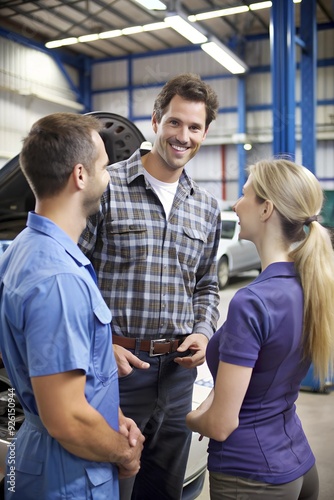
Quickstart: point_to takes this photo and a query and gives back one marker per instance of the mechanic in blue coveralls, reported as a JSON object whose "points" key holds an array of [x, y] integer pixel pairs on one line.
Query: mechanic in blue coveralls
{"points": [[55, 328]]}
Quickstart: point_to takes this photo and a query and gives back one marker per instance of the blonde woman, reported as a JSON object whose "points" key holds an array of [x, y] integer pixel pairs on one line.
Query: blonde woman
{"points": [[275, 328]]}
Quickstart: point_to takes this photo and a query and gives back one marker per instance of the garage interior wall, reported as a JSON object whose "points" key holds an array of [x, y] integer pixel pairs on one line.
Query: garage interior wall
{"points": [[32, 84]]}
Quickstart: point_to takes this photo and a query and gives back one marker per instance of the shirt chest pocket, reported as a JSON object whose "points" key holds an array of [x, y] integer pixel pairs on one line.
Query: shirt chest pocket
{"points": [[127, 240], [192, 246], [103, 359]]}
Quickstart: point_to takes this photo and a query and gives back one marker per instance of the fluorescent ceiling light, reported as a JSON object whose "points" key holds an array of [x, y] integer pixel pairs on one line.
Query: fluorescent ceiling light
{"points": [[88, 38], [225, 57], [231, 11], [110, 34], [185, 29], [152, 4], [260, 5], [60, 43], [176, 22], [155, 26], [219, 13], [132, 30]]}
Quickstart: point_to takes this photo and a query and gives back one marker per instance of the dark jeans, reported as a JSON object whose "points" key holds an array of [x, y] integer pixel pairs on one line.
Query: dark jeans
{"points": [[158, 399]]}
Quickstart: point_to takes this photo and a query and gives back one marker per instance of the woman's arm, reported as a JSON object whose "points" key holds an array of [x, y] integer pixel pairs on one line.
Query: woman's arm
{"points": [[218, 416]]}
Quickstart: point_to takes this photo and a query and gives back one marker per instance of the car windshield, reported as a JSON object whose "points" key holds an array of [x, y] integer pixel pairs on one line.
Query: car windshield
{"points": [[228, 228]]}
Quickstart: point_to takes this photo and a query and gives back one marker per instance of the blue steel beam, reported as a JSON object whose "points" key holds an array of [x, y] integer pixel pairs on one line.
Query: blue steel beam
{"points": [[241, 130], [308, 72], [282, 46]]}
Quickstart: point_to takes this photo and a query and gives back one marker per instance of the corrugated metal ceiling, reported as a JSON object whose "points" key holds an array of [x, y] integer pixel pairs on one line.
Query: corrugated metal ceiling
{"points": [[47, 20]]}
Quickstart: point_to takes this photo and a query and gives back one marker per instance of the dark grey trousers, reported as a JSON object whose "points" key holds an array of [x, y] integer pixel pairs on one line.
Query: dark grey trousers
{"points": [[224, 487], [158, 400]]}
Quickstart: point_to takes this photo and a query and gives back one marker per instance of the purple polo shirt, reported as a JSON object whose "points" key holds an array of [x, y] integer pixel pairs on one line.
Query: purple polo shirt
{"points": [[263, 330]]}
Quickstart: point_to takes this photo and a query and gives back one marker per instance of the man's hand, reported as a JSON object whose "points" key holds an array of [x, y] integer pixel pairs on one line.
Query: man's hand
{"points": [[131, 467], [196, 343], [129, 429], [126, 361]]}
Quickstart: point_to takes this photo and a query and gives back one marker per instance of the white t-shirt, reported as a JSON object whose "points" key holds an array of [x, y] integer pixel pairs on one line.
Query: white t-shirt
{"points": [[165, 191]]}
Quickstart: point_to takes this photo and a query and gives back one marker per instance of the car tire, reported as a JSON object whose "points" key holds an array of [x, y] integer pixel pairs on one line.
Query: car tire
{"points": [[223, 276]]}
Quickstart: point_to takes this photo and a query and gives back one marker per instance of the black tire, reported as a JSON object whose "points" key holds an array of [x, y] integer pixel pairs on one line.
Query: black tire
{"points": [[223, 277]]}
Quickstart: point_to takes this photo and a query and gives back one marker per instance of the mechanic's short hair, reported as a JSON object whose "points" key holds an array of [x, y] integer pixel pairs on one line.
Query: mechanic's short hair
{"points": [[54, 145]]}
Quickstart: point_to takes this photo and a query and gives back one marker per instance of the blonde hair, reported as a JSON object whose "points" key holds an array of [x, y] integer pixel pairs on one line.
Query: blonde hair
{"points": [[297, 196]]}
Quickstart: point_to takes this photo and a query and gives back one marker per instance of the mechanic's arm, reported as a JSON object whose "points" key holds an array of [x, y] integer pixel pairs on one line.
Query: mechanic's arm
{"points": [[78, 427], [218, 416]]}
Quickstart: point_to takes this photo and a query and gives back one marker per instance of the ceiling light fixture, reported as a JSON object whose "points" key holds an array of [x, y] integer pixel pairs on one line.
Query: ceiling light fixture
{"points": [[224, 56], [185, 29], [230, 11], [152, 4], [60, 43], [176, 22], [260, 5], [155, 26], [132, 30], [110, 34], [218, 13], [88, 38]]}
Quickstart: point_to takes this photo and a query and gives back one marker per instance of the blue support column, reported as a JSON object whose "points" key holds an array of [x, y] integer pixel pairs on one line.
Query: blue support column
{"points": [[86, 84], [308, 72], [283, 68], [241, 130]]}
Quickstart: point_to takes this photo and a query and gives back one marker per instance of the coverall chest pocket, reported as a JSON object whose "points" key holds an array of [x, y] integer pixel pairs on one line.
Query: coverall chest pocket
{"points": [[102, 356], [127, 239]]}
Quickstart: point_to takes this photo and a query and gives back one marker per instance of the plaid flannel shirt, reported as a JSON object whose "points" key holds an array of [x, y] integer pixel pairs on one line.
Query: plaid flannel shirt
{"points": [[158, 276]]}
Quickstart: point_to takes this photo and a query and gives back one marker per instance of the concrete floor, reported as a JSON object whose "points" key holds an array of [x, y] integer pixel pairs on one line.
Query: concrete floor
{"points": [[315, 410]]}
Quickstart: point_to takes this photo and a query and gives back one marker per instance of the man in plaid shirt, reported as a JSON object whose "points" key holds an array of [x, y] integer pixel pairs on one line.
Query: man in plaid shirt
{"points": [[153, 246]]}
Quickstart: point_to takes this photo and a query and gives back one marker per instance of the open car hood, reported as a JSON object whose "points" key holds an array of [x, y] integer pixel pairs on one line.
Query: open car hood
{"points": [[121, 138]]}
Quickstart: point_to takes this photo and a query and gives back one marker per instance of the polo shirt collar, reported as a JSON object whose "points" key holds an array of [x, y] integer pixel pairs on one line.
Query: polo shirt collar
{"points": [[276, 270]]}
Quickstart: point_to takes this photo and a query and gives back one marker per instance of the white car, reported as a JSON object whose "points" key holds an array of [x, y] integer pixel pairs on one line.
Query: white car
{"points": [[197, 460], [234, 255]]}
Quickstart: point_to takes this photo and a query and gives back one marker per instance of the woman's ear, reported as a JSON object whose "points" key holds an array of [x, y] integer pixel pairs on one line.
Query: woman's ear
{"points": [[267, 209]]}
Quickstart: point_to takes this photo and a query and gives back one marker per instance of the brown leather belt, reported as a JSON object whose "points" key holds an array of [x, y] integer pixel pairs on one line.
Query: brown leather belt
{"points": [[155, 347]]}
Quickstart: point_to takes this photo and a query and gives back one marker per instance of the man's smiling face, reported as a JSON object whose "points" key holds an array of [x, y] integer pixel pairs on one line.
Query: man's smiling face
{"points": [[180, 133]]}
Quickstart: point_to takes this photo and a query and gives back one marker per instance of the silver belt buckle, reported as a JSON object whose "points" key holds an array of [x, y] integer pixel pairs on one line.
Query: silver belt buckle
{"points": [[152, 344]]}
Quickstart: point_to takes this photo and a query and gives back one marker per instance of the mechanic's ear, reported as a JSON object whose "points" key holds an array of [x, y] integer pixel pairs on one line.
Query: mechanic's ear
{"points": [[79, 175]]}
